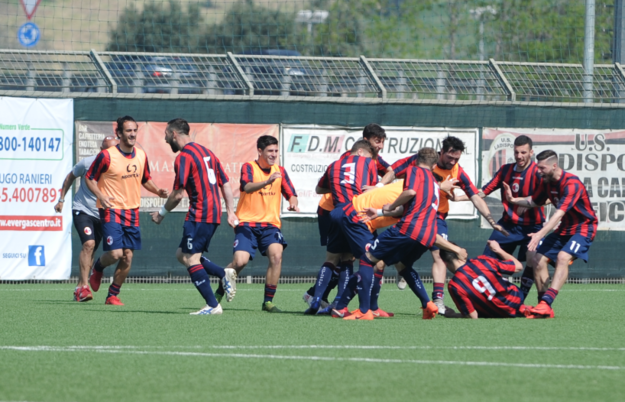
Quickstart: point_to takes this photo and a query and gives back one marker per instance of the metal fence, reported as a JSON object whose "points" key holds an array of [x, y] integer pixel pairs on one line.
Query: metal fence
{"points": [[81, 73]]}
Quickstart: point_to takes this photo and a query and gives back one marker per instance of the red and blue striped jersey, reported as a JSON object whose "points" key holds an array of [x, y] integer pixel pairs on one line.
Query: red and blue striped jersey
{"points": [[200, 173], [569, 195], [125, 217], [419, 219], [456, 172], [346, 177], [380, 164], [522, 184], [479, 286]]}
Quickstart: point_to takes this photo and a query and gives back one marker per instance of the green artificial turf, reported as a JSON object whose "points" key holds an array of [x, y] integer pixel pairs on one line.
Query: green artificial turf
{"points": [[151, 349]]}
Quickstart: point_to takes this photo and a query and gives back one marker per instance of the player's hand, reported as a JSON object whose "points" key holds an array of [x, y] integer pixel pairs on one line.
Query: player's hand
{"points": [[293, 207], [274, 177], [481, 194], [233, 221], [533, 244], [368, 188], [449, 185], [106, 201], [494, 246], [163, 192], [156, 217], [367, 215], [520, 210], [59, 207], [462, 254], [507, 191], [500, 228]]}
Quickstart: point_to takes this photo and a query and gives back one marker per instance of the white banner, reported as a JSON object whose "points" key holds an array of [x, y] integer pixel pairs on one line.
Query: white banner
{"points": [[597, 157], [36, 137], [308, 150]]}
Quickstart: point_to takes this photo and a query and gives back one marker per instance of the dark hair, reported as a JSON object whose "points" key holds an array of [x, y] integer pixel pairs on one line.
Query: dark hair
{"points": [[448, 256], [452, 144], [546, 154], [523, 140], [121, 121], [373, 130], [179, 125], [427, 156], [265, 140], [362, 144]]}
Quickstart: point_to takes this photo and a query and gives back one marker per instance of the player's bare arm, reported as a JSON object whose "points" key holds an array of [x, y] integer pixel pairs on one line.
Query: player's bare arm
{"points": [[481, 206], [402, 199], [172, 202], [388, 177], [153, 188], [444, 244], [547, 227], [104, 199], [370, 214], [253, 187], [67, 183], [496, 248], [226, 192]]}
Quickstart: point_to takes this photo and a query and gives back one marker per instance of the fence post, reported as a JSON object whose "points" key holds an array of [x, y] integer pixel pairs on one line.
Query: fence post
{"points": [[102, 67], [247, 79], [211, 84], [369, 71], [31, 76], [322, 88], [174, 83], [503, 81], [67, 78], [137, 83], [440, 85], [285, 84], [401, 84]]}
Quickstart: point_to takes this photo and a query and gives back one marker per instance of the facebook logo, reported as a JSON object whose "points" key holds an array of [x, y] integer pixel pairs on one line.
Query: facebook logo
{"points": [[36, 256]]}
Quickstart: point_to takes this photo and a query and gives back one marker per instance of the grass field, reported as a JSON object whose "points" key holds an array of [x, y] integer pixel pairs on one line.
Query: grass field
{"points": [[53, 349]]}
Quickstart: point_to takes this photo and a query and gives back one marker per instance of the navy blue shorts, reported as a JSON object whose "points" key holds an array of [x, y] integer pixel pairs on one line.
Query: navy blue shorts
{"points": [[576, 245], [196, 236], [323, 220], [518, 237], [248, 238], [347, 236], [393, 247], [441, 229], [88, 227], [116, 236]]}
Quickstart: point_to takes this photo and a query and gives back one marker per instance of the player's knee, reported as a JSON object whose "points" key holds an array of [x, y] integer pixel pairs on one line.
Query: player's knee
{"points": [[128, 256], [88, 246], [564, 259], [275, 259], [116, 254]]}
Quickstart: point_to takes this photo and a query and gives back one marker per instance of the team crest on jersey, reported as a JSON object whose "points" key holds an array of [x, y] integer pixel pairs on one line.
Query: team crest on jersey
{"points": [[367, 247], [515, 187], [236, 243], [88, 231], [109, 240]]}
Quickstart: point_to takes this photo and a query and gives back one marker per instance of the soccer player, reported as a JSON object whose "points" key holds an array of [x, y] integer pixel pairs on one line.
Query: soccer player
{"points": [[524, 180], [258, 213], [345, 179], [447, 167], [115, 178], [570, 240], [86, 220], [375, 135], [200, 174], [478, 287], [415, 233]]}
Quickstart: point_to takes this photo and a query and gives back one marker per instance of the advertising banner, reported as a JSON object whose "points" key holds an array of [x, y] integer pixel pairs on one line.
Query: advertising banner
{"points": [[597, 157], [35, 156], [308, 150], [234, 144]]}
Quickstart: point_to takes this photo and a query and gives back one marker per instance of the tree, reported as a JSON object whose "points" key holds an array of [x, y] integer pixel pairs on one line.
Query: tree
{"points": [[247, 26], [159, 27]]}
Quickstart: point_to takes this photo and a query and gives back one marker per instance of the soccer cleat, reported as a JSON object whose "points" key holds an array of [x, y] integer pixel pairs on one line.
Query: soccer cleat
{"points": [[315, 304], [229, 283], [342, 313], [429, 311], [270, 307], [95, 279], [208, 310], [307, 298], [400, 282], [326, 310], [82, 294], [450, 313], [114, 300], [542, 310], [441, 306], [379, 313], [525, 310], [358, 315]]}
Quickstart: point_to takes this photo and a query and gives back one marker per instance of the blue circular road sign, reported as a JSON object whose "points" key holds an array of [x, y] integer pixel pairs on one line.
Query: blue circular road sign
{"points": [[28, 34]]}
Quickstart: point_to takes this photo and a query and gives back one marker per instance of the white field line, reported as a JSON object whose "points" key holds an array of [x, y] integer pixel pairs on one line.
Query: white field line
{"points": [[310, 358]]}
